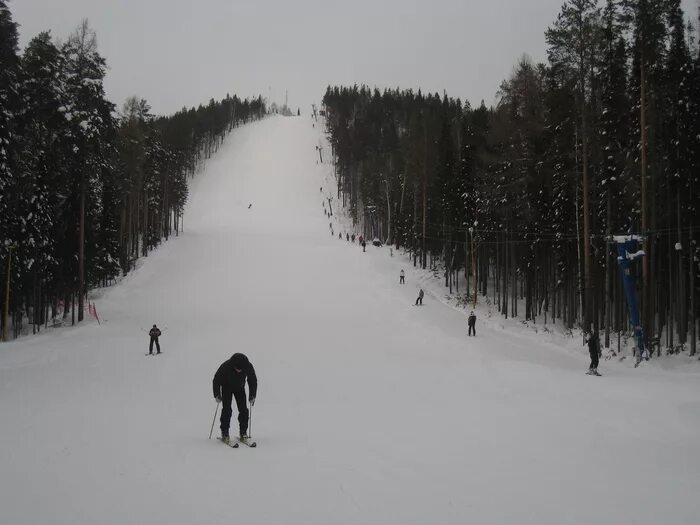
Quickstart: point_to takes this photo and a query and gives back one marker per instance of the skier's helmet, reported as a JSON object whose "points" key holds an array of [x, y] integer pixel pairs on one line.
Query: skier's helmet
{"points": [[239, 361]]}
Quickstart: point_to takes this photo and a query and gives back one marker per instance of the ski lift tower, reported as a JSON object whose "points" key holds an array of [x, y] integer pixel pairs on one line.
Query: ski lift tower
{"points": [[627, 252]]}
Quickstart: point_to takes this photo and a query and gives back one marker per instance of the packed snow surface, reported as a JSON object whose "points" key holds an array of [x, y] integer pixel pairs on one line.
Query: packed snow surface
{"points": [[370, 410]]}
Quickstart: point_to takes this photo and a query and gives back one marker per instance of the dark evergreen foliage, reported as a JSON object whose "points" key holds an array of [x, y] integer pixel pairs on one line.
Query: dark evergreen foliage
{"points": [[548, 175], [76, 174]]}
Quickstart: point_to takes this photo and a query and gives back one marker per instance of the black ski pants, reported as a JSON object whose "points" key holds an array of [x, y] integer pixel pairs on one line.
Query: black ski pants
{"points": [[419, 300], [594, 360], [402, 279], [150, 347], [472, 330], [226, 410]]}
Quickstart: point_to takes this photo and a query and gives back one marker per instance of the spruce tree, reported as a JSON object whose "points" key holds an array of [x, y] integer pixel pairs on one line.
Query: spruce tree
{"points": [[9, 104], [571, 44], [91, 125]]}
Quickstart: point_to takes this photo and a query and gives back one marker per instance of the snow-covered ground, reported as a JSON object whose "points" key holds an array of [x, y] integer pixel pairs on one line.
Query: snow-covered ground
{"points": [[369, 411]]}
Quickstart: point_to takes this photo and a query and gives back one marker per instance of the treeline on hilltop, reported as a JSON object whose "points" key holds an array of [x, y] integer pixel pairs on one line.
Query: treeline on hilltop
{"points": [[84, 190], [524, 197]]}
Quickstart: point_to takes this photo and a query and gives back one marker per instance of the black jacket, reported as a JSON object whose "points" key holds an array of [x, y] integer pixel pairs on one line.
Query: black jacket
{"points": [[154, 333], [593, 345], [227, 378], [471, 320]]}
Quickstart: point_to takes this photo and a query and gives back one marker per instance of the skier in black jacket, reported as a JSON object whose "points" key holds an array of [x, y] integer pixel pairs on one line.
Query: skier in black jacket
{"points": [[594, 351], [229, 381], [155, 334], [471, 321]]}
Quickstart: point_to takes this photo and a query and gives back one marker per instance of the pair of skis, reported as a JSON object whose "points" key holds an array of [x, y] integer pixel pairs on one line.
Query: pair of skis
{"points": [[234, 444]]}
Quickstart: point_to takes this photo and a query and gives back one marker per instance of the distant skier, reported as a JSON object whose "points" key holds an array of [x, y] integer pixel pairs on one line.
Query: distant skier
{"points": [[402, 277], [155, 334], [364, 245], [471, 321], [352, 238], [347, 237], [250, 205], [419, 300], [229, 381], [594, 351], [340, 236]]}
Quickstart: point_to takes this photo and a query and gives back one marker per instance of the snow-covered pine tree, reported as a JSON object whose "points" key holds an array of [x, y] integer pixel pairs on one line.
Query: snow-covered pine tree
{"points": [[91, 129], [571, 42], [648, 38], [676, 129], [613, 137], [9, 104], [41, 186]]}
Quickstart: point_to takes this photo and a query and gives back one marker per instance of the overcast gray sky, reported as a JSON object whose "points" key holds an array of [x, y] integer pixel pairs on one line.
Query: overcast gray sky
{"points": [[177, 53]]}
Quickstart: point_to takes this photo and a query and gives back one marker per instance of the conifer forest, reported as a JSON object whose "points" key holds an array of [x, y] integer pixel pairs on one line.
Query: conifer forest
{"points": [[519, 204], [86, 188]]}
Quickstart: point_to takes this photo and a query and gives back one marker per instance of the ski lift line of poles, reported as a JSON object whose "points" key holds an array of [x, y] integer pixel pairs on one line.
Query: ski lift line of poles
{"points": [[541, 237], [565, 238], [490, 242], [545, 233]]}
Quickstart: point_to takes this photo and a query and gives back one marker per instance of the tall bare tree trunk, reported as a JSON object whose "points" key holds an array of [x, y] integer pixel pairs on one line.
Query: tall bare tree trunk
{"points": [[682, 303], [606, 305], [646, 292], [425, 194], [81, 250], [691, 262]]}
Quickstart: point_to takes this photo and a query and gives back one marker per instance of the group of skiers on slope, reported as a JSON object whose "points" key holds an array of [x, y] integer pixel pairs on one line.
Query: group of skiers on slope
{"points": [[230, 378], [351, 238], [229, 383], [471, 320], [591, 339]]}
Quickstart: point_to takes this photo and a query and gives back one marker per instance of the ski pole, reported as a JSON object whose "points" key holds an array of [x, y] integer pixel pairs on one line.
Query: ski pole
{"points": [[213, 420]]}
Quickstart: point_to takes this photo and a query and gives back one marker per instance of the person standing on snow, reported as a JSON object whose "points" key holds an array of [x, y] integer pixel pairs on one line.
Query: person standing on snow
{"points": [[155, 334], [229, 381], [594, 351], [471, 321], [402, 277], [419, 300]]}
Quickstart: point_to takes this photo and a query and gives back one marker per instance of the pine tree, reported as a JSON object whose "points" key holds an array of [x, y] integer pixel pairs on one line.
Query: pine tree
{"points": [[571, 43], [677, 78], [613, 139], [41, 183], [91, 123], [9, 104]]}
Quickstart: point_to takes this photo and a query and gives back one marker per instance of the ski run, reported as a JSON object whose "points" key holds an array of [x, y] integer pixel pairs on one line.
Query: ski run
{"points": [[368, 411]]}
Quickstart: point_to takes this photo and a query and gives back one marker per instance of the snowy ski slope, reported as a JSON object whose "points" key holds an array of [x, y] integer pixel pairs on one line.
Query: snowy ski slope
{"points": [[369, 411]]}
